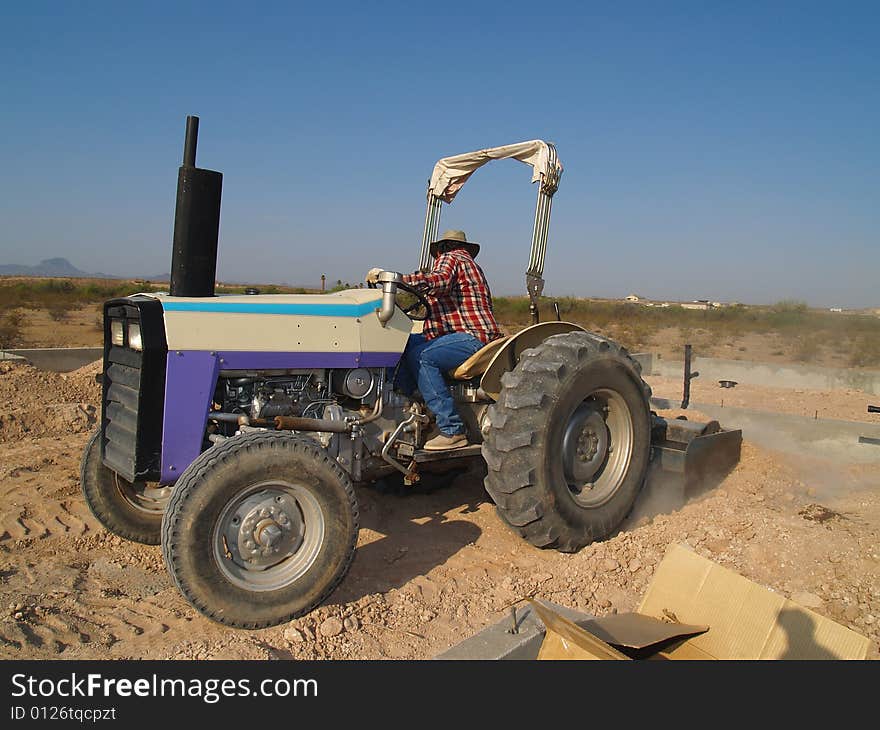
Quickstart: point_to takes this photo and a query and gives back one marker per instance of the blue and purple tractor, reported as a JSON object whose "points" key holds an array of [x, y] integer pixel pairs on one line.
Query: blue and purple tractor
{"points": [[235, 429]]}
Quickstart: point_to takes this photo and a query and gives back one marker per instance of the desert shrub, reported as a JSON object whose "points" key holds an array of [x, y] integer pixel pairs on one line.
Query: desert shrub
{"points": [[59, 313], [807, 348], [865, 352], [11, 325]]}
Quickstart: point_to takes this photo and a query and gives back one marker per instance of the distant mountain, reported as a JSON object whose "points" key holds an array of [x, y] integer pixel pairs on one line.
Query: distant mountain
{"points": [[52, 267], [61, 267]]}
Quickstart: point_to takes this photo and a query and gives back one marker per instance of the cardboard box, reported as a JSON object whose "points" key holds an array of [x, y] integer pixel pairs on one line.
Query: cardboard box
{"points": [[695, 609]]}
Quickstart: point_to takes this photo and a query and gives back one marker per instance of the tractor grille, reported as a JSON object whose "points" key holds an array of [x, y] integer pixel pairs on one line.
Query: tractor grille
{"points": [[123, 378], [133, 391]]}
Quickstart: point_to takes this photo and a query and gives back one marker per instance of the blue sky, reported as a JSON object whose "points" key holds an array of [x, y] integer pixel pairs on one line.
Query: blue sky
{"points": [[711, 150]]}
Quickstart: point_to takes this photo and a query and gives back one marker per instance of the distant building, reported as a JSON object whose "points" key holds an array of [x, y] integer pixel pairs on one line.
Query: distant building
{"points": [[633, 298], [835, 309]]}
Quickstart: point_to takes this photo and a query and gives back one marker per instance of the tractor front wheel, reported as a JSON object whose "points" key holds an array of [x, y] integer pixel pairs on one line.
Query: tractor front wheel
{"points": [[260, 529], [568, 442], [132, 510]]}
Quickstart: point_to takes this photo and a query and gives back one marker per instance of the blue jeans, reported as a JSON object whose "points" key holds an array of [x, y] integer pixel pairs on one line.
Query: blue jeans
{"points": [[425, 363]]}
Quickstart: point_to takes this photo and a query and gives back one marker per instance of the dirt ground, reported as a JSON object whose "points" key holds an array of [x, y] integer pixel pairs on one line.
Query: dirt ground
{"points": [[433, 566]]}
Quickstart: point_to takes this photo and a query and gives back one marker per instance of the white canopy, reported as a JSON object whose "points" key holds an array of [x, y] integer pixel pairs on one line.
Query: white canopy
{"points": [[451, 173]]}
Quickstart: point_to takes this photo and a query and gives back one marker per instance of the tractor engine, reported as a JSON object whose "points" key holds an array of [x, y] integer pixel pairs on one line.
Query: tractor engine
{"points": [[302, 394], [305, 394], [252, 400]]}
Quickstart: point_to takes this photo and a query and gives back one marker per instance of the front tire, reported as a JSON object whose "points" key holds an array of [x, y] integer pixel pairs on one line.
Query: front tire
{"points": [[569, 441], [131, 510], [260, 530]]}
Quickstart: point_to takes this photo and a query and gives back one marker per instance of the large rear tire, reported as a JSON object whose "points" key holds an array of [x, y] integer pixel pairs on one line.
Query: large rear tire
{"points": [[260, 529], [568, 442], [130, 510]]}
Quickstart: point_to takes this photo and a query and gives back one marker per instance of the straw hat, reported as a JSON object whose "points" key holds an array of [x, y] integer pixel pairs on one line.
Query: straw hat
{"points": [[458, 239]]}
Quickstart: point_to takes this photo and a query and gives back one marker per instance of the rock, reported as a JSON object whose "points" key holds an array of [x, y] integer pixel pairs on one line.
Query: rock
{"points": [[331, 627], [610, 564], [809, 600], [851, 613], [718, 545], [634, 565], [294, 636], [351, 624]]}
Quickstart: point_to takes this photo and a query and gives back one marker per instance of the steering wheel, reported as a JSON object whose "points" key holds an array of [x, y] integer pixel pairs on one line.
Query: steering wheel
{"points": [[421, 301]]}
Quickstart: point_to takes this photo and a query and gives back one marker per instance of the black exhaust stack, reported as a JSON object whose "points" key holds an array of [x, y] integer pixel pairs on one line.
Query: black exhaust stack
{"points": [[196, 223]]}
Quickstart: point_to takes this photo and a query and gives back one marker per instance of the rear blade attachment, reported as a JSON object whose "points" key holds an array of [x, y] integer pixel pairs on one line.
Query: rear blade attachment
{"points": [[702, 454]]}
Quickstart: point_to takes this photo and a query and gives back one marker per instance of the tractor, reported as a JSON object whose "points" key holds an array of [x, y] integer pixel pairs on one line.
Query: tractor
{"points": [[235, 429]]}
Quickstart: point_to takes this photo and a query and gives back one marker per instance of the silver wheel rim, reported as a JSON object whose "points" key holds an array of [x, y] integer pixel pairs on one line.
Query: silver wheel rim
{"points": [[144, 498], [269, 535], [597, 446]]}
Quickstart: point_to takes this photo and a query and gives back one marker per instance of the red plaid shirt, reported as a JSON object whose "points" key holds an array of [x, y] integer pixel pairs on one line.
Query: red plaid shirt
{"points": [[459, 296]]}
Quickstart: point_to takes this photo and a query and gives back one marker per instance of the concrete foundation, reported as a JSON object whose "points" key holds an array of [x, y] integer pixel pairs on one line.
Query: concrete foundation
{"points": [[498, 641], [808, 377], [56, 359]]}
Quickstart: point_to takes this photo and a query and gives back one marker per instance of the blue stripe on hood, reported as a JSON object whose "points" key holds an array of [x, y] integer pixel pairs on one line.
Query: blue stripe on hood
{"points": [[307, 310]]}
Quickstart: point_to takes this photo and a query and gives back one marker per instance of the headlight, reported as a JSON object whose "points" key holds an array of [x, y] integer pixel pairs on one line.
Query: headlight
{"points": [[117, 334], [134, 336]]}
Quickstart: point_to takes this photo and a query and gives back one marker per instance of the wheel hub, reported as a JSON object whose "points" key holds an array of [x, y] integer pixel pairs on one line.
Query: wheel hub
{"points": [[266, 528], [269, 535], [585, 444]]}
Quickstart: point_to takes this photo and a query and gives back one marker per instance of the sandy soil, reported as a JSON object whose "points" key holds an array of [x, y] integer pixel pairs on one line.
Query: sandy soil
{"points": [[432, 567]]}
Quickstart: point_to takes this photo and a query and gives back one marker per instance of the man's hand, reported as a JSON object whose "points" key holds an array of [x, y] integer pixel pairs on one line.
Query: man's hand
{"points": [[372, 276]]}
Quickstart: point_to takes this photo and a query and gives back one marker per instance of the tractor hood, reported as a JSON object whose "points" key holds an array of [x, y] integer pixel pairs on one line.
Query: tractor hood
{"points": [[326, 328]]}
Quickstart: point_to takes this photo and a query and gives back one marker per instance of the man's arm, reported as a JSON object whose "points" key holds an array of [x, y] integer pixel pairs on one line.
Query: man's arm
{"points": [[438, 280]]}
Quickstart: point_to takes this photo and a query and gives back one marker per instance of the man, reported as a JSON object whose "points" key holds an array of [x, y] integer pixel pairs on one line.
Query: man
{"points": [[460, 322]]}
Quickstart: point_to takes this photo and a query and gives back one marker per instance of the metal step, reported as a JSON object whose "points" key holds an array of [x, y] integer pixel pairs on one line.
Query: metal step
{"points": [[421, 456]]}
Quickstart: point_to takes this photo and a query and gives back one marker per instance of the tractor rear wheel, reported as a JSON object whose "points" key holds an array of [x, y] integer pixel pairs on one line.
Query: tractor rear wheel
{"points": [[260, 529], [132, 510], [568, 442]]}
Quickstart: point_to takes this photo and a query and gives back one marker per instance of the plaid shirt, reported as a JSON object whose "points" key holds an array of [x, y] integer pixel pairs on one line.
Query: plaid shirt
{"points": [[459, 296]]}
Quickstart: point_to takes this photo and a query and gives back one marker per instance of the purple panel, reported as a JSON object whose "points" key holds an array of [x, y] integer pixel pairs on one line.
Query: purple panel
{"points": [[243, 360], [190, 378]]}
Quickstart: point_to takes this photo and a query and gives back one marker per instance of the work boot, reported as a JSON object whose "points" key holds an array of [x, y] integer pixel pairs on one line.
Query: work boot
{"points": [[444, 442]]}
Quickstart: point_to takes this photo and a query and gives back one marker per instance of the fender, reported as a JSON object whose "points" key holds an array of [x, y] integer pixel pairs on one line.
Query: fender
{"points": [[508, 355]]}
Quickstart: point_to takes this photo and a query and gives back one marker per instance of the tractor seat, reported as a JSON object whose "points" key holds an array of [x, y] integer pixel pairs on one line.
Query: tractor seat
{"points": [[477, 363]]}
